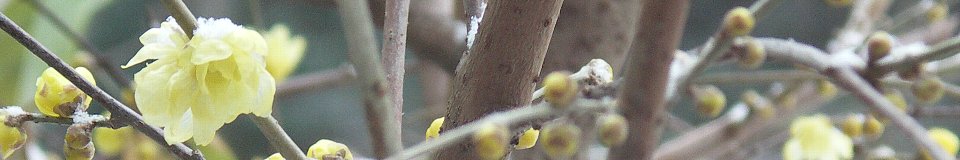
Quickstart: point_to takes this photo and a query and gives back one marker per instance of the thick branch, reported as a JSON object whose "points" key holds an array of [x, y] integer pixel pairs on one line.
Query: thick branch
{"points": [[122, 112], [363, 54], [501, 68], [642, 97], [394, 46]]}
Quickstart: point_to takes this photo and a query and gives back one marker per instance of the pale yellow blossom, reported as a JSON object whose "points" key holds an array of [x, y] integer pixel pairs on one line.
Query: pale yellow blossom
{"points": [[815, 138], [57, 97], [284, 51], [326, 147], [198, 84]]}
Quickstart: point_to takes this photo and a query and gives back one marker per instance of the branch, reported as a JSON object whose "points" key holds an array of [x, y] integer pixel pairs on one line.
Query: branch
{"points": [[847, 78], [100, 58], [511, 117], [363, 54], [315, 81], [394, 46], [184, 17], [757, 77], [642, 98], [500, 70], [937, 52], [17, 120], [277, 137], [122, 112]]}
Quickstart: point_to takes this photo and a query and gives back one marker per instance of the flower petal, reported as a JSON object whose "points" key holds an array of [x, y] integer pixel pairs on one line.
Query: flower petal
{"points": [[210, 50]]}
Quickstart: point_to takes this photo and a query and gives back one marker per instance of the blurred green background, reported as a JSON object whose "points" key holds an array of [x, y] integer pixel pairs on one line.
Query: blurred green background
{"points": [[337, 114]]}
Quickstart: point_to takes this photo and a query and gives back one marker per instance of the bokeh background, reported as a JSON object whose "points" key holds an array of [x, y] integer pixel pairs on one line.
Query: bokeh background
{"points": [[336, 113]]}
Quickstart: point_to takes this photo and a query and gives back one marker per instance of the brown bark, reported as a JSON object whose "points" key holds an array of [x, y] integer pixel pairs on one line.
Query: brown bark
{"points": [[642, 97], [500, 71]]}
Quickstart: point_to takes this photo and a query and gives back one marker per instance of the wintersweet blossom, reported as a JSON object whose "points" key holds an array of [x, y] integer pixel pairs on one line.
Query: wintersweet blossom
{"points": [[11, 138], [815, 138], [284, 52], [198, 84], [57, 97], [325, 147]]}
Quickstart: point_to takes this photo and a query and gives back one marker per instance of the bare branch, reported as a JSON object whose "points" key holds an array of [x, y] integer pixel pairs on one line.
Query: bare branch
{"points": [[394, 47], [14, 121], [277, 137], [316, 81]]}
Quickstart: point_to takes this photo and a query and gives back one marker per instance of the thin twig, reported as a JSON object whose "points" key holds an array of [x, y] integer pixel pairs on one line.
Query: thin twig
{"points": [[507, 118], [642, 99], [184, 17], [316, 81], [762, 8], [14, 121], [123, 113], [847, 78], [358, 26], [100, 58], [939, 112], [278, 138], [752, 77], [394, 47], [939, 51]]}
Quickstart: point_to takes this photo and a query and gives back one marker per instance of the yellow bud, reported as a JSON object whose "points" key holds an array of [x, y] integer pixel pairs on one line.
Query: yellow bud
{"points": [[738, 22], [912, 72], [110, 141], [753, 55], [928, 89], [328, 148], [560, 140], [559, 89], [946, 139], [275, 156], [878, 46], [11, 138], [710, 100], [853, 125], [758, 104], [839, 3], [491, 141], [434, 129], [826, 89], [872, 127], [937, 12], [897, 99], [612, 129], [77, 144], [57, 97], [528, 138], [283, 51]]}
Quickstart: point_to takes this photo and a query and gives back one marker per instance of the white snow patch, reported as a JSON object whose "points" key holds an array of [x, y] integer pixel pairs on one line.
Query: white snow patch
{"points": [[12, 111], [215, 28]]}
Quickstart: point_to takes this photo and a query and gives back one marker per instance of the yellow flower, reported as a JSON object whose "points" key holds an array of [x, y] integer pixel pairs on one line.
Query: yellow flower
{"points": [[434, 129], [11, 138], [528, 138], [326, 147], [815, 138], [284, 52], [275, 156], [57, 97], [197, 85], [945, 139]]}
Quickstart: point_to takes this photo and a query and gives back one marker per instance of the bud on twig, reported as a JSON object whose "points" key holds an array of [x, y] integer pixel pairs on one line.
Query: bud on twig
{"points": [[491, 141], [738, 22], [560, 140]]}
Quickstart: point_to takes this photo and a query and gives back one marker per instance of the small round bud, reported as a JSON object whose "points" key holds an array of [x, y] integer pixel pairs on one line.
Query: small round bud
{"points": [[872, 127], [758, 104], [57, 97], [491, 141], [434, 129], [329, 149], [853, 125], [912, 72], [612, 129], [738, 22], [946, 139], [826, 89], [560, 140], [937, 12], [559, 89], [528, 138], [838, 3], [897, 99], [928, 89], [710, 100], [77, 143], [275, 156], [753, 55], [11, 138], [879, 44]]}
